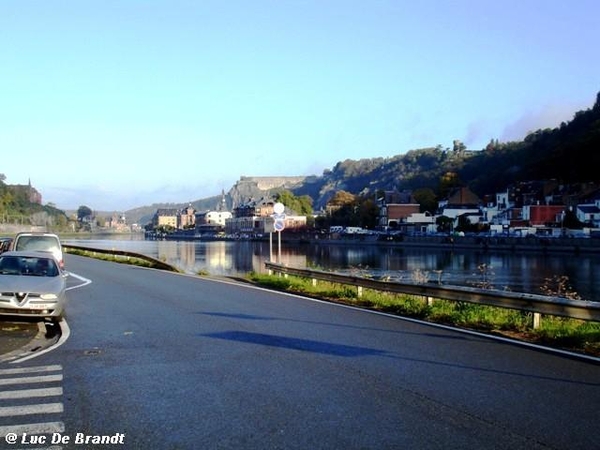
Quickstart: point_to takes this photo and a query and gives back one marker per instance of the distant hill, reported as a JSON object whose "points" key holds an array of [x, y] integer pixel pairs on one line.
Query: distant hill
{"points": [[569, 153], [244, 189], [22, 205]]}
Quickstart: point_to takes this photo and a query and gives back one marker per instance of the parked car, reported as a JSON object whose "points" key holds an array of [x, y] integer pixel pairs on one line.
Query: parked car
{"points": [[32, 284], [5, 244], [45, 242]]}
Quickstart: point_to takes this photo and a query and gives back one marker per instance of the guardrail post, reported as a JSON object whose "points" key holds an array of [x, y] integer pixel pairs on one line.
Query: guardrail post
{"points": [[359, 291], [314, 282], [537, 319], [429, 301]]}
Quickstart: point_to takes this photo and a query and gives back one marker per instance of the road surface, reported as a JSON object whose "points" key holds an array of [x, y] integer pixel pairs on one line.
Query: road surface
{"points": [[162, 360]]}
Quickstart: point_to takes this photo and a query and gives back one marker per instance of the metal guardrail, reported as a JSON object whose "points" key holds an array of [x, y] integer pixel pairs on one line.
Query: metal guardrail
{"points": [[537, 304], [155, 262]]}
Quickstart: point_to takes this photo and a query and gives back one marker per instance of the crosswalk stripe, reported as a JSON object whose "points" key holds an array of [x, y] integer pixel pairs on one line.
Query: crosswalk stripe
{"points": [[31, 393], [33, 428], [27, 410], [30, 380], [16, 387], [21, 370]]}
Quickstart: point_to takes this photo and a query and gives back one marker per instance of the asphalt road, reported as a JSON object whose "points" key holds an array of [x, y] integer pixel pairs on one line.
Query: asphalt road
{"points": [[168, 361]]}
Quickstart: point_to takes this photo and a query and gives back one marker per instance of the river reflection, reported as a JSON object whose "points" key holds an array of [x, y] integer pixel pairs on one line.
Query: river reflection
{"points": [[517, 272]]}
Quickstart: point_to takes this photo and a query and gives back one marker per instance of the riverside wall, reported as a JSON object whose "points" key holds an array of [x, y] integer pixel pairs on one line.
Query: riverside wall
{"points": [[488, 243]]}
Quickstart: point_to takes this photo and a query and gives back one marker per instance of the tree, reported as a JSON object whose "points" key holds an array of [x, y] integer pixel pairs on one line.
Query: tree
{"points": [[341, 198], [448, 182], [300, 205], [340, 209], [367, 212], [352, 210], [426, 199], [444, 224], [84, 212], [458, 146]]}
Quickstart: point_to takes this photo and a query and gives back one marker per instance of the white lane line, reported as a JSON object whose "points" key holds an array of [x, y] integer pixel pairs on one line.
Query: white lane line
{"points": [[33, 428], [85, 281], [30, 380], [65, 333], [29, 410], [31, 393]]}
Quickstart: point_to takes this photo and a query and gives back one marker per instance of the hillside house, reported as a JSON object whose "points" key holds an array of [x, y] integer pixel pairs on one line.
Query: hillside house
{"points": [[421, 222], [589, 213], [212, 221], [28, 191], [398, 214], [117, 222], [179, 219], [256, 218], [462, 201], [186, 218], [165, 217], [395, 208], [543, 215]]}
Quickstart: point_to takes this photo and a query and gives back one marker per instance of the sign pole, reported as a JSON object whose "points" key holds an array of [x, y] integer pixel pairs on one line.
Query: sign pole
{"points": [[278, 225], [279, 247]]}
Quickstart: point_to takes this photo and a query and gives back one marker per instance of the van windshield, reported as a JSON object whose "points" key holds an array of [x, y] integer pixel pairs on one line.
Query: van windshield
{"points": [[40, 243]]}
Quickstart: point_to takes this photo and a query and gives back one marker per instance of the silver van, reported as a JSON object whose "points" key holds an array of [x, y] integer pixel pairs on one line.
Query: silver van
{"points": [[41, 242]]}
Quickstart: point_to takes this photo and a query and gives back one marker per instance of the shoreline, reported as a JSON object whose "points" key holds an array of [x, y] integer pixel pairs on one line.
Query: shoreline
{"points": [[565, 245]]}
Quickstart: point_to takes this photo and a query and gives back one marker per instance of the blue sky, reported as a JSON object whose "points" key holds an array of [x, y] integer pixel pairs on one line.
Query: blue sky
{"points": [[115, 104]]}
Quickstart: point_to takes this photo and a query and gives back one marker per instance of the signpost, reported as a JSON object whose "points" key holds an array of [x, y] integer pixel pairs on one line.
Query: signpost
{"points": [[279, 226]]}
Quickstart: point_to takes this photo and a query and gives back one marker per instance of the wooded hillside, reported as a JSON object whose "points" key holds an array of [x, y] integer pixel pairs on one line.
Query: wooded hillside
{"points": [[569, 153]]}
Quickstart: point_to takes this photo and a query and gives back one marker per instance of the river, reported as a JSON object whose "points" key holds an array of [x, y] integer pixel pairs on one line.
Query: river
{"points": [[518, 272]]}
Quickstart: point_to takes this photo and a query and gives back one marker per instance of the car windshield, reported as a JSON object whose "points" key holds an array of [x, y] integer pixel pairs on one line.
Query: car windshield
{"points": [[28, 265]]}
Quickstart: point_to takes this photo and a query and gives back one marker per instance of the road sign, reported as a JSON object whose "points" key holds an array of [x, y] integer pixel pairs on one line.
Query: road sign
{"points": [[278, 217]]}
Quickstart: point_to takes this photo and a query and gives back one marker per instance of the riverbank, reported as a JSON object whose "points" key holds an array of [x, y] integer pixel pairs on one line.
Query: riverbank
{"points": [[481, 243]]}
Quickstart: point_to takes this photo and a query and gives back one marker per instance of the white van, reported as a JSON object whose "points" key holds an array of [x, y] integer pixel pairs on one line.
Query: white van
{"points": [[41, 242]]}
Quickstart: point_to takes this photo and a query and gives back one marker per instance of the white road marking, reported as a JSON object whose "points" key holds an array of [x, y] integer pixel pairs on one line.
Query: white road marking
{"points": [[28, 410], [84, 281], [38, 369], [33, 428], [27, 380], [17, 403], [31, 393]]}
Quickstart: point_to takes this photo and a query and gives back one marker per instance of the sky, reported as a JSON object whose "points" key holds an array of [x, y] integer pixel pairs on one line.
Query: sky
{"points": [[116, 104]]}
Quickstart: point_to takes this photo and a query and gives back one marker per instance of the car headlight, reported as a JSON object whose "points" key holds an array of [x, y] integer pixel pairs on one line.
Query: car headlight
{"points": [[48, 296]]}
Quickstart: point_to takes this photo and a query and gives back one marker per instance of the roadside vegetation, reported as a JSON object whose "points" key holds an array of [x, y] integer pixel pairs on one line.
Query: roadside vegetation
{"points": [[124, 259], [557, 332]]}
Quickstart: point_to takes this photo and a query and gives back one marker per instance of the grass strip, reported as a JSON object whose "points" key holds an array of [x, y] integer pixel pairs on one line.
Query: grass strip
{"points": [[113, 258]]}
